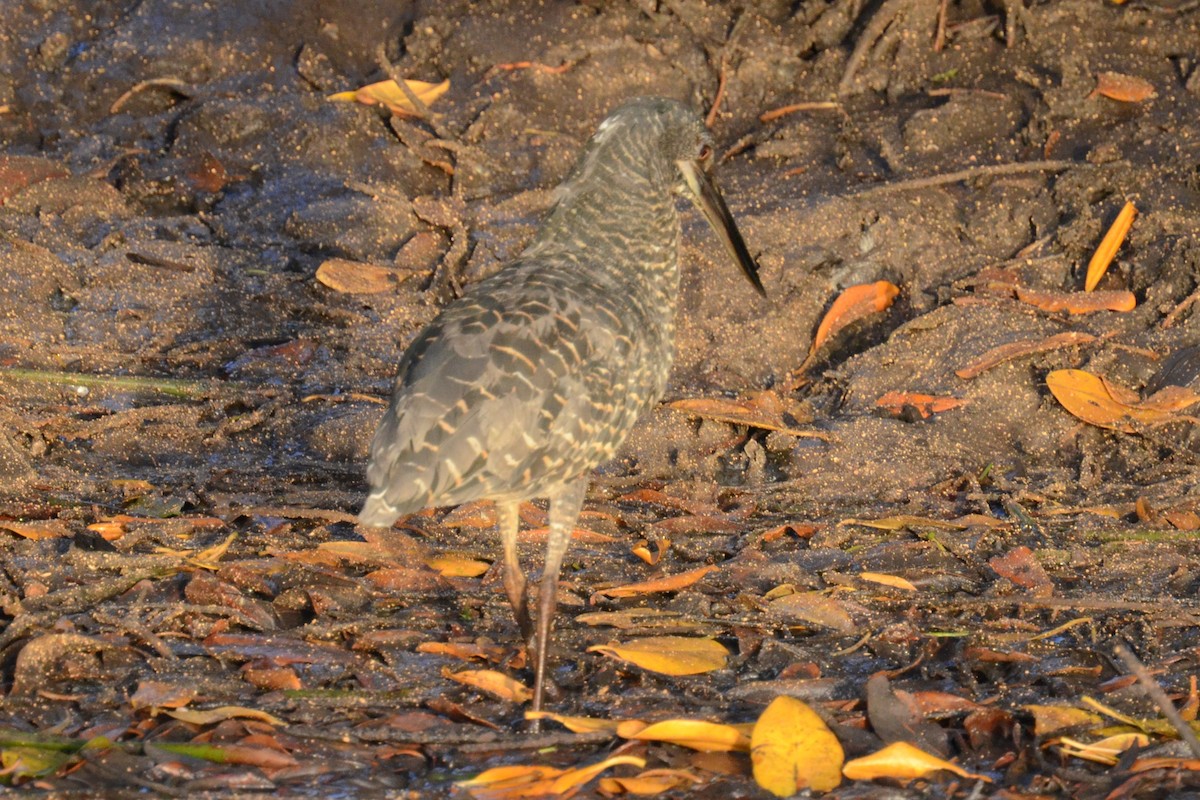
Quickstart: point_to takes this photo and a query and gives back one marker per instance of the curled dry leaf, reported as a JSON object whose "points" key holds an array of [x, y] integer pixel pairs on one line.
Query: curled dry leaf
{"points": [[1106, 751], [1107, 405], [1077, 302], [853, 304], [667, 583], [904, 762], [926, 405], [492, 682], [650, 782], [389, 94], [694, 734], [1123, 88], [669, 655], [503, 783], [792, 749], [1108, 246], [355, 277], [1007, 352]]}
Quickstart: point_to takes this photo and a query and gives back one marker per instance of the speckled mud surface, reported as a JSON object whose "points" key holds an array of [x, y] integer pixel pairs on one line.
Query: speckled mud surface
{"points": [[172, 176]]}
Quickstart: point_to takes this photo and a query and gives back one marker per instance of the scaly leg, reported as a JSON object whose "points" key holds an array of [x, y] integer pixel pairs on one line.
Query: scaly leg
{"points": [[564, 513], [508, 521]]}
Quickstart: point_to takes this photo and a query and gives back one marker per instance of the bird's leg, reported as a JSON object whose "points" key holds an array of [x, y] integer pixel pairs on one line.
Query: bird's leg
{"points": [[564, 513], [508, 520]]}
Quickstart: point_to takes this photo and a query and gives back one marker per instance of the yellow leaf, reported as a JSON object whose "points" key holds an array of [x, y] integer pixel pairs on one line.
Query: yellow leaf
{"points": [[1108, 246], [1048, 719], [574, 778], [903, 762], [578, 724], [450, 565], [895, 581], [669, 655], [695, 734], [650, 782], [503, 783], [211, 715], [493, 682], [1095, 401], [1107, 750], [388, 93], [793, 749]]}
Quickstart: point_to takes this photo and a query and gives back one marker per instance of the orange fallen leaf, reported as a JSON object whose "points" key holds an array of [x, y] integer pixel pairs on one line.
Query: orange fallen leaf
{"points": [[1109, 405], [667, 583], [1144, 764], [1021, 566], [1123, 88], [389, 94], [853, 304], [36, 531], [642, 550], [494, 683], [578, 724], [1025, 347], [503, 783], [450, 565], [926, 405], [895, 581], [792, 749], [466, 651], [650, 782], [356, 277], [220, 714], [904, 762], [694, 734], [669, 655], [1078, 302], [1108, 246]]}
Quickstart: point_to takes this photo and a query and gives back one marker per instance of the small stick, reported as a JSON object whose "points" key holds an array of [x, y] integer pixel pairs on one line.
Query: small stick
{"points": [[1155, 692], [966, 175], [783, 111]]}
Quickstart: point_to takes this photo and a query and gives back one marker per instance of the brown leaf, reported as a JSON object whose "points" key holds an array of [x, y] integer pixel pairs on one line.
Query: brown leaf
{"points": [[1025, 347], [1020, 567], [1123, 88], [926, 405], [161, 694], [1077, 302], [813, 608], [667, 583], [1091, 399], [1108, 246], [17, 172], [764, 410], [853, 304], [388, 94], [356, 277], [895, 717]]}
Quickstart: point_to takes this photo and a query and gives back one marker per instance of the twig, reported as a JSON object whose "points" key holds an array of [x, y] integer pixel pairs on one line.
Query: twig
{"points": [[1176, 312], [879, 23], [939, 40], [1155, 692], [722, 72], [783, 111], [966, 175]]}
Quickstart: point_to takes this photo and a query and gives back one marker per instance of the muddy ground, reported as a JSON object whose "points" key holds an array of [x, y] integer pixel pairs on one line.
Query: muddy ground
{"points": [[172, 373]]}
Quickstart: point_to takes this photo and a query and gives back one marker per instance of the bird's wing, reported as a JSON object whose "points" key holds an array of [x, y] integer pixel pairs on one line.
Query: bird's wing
{"points": [[499, 397]]}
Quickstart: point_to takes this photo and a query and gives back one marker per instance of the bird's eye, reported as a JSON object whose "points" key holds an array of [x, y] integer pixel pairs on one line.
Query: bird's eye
{"points": [[705, 153]]}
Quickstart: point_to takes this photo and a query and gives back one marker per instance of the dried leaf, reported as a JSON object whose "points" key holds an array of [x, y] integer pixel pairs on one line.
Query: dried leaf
{"points": [[1106, 751], [356, 277], [1025, 347], [1092, 400], [1078, 302], [813, 608], [161, 695], [388, 93], [650, 782], [450, 565], [926, 405], [669, 655], [694, 734], [853, 304], [895, 581], [1123, 88], [792, 749], [667, 583], [902, 521], [222, 713], [578, 724], [37, 531], [503, 783], [1051, 719], [642, 550], [904, 762], [1021, 567], [764, 410], [492, 682], [1108, 246]]}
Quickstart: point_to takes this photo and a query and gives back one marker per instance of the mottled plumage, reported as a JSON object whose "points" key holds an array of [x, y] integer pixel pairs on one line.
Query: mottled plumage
{"points": [[534, 378]]}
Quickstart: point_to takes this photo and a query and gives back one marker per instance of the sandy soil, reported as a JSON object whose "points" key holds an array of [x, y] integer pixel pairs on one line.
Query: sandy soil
{"points": [[172, 372]]}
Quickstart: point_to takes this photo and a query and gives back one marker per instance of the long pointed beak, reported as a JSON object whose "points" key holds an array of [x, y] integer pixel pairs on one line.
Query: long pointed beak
{"points": [[708, 199]]}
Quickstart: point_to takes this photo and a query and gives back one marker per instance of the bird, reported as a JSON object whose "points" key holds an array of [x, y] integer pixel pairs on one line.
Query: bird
{"points": [[533, 378]]}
